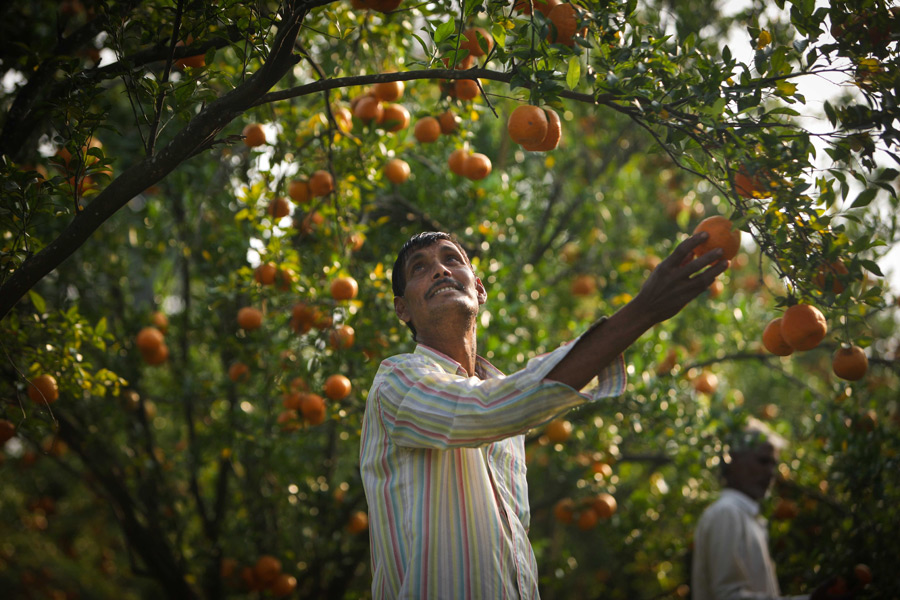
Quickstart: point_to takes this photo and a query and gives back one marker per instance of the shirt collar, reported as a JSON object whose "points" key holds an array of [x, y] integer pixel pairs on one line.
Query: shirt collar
{"points": [[742, 500], [483, 368]]}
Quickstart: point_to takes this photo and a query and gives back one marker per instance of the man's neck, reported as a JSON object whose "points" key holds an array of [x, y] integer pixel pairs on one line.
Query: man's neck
{"points": [[462, 349]]}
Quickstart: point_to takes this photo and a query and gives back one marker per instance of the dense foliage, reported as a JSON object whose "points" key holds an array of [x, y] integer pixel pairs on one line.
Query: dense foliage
{"points": [[131, 199]]}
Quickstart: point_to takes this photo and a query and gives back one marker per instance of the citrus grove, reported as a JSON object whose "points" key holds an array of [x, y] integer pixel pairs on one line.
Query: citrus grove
{"points": [[202, 202]]}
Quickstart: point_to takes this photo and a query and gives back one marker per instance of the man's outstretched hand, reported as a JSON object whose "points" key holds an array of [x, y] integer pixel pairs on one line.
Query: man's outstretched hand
{"points": [[679, 279], [676, 281]]}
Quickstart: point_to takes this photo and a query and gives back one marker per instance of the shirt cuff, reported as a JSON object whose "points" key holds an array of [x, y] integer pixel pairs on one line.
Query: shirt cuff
{"points": [[609, 381]]}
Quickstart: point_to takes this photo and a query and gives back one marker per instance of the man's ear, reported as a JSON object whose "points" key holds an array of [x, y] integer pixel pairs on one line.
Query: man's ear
{"points": [[401, 309], [479, 289]]}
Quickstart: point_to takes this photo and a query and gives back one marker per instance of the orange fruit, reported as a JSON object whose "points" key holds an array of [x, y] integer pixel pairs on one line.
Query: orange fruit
{"points": [[344, 288], [312, 407], [564, 510], [321, 183], [721, 235], [388, 91], [587, 519], [384, 6], [565, 20], [394, 117], [472, 40], [461, 63], [476, 166], [342, 338], [850, 363], [149, 338], [465, 89], [604, 505], [584, 285], [863, 574], [298, 190], [552, 137], [396, 170], [254, 135], [283, 585], [337, 387], [358, 522], [196, 61], [833, 272], [542, 6], [558, 431], [7, 431], [265, 273], [249, 318], [279, 207], [448, 122], [457, 159], [749, 186], [716, 288], [773, 341], [287, 419], [302, 317], [527, 125], [706, 382], [267, 568], [368, 109], [238, 371], [427, 130], [157, 356], [803, 326], [785, 509], [160, 320]]}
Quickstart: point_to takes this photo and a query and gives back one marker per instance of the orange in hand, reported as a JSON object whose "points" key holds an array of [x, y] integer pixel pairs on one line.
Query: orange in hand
{"points": [[722, 234]]}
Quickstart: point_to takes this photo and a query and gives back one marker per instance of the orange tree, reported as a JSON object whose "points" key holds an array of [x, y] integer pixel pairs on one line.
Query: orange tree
{"points": [[174, 165]]}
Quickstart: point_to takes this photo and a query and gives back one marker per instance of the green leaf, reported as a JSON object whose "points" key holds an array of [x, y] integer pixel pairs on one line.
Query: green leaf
{"points": [[37, 300], [444, 31], [871, 266], [573, 75], [498, 32], [100, 329], [864, 198]]}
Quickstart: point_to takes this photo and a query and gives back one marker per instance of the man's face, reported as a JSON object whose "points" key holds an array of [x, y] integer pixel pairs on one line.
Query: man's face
{"points": [[439, 279], [751, 471]]}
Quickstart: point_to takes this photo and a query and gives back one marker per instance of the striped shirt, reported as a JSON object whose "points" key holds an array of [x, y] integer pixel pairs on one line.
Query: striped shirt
{"points": [[442, 458]]}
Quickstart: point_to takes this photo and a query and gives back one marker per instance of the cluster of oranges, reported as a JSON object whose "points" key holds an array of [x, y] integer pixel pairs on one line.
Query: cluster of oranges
{"points": [[265, 575], [534, 128], [802, 327], [588, 512], [151, 342]]}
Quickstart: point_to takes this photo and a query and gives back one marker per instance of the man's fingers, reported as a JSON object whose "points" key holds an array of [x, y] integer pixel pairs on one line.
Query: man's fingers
{"points": [[682, 252]]}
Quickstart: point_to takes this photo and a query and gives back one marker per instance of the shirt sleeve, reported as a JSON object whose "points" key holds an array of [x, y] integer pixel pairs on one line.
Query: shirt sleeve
{"points": [[424, 407]]}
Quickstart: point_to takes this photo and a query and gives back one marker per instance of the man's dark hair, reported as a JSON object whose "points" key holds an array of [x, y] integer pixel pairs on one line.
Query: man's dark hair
{"points": [[416, 242]]}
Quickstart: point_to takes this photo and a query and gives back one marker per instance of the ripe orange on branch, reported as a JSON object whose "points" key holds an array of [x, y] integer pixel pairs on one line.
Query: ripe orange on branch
{"points": [[465, 89], [149, 339], [279, 207], [427, 130], [850, 363], [527, 124], [344, 288], [249, 318], [388, 91], [803, 326], [457, 159], [298, 190], [338, 387], [312, 407], [834, 272], [321, 183], [397, 170], [604, 505], [472, 40], [476, 166], [394, 117], [254, 135], [553, 135], [565, 21], [773, 341], [542, 6], [43, 388]]}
